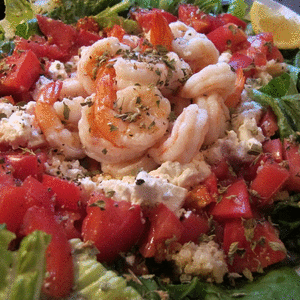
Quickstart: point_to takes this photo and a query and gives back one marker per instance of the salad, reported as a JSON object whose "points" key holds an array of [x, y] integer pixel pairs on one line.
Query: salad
{"points": [[149, 150]]}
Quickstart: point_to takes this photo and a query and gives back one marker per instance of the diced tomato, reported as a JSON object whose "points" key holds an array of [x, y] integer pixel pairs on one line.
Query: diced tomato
{"points": [[36, 194], [164, 225], [193, 226], [6, 179], [245, 62], [228, 37], [192, 16], [254, 252], [7, 99], [42, 158], [291, 153], [160, 31], [211, 182], [262, 49], [275, 148], [59, 263], [234, 203], [41, 48], [228, 18], [269, 180], [67, 194], [198, 198], [12, 207], [116, 31], [18, 72], [57, 32], [223, 170], [71, 222], [23, 165], [144, 17], [113, 226], [268, 123], [86, 38]]}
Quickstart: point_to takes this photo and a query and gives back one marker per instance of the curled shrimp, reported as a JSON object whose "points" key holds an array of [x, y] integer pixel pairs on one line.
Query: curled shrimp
{"points": [[218, 116], [218, 78], [56, 134], [195, 48], [120, 126], [95, 56], [186, 137], [167, 72]]}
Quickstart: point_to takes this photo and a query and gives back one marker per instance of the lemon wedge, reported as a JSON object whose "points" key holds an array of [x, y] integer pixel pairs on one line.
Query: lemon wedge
{"points": [[270, 16]]}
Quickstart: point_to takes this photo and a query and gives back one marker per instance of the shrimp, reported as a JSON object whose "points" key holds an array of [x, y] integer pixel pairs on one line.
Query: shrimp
{"points": [[234, 99], [218, 78], [218, 117], [93, 57], [195, 48], [56, 134], [185, 139], [121, 126], [72, 87], [129, 168], [167, 72]]}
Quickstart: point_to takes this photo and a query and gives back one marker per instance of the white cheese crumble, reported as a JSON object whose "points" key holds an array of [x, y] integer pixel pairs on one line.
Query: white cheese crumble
{"points": [[183, 175], [206, 260], [18, 128], [57, 71]]}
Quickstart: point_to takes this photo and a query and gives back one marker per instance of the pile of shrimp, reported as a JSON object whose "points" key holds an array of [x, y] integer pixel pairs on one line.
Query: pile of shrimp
{"points": [[129, 106]]}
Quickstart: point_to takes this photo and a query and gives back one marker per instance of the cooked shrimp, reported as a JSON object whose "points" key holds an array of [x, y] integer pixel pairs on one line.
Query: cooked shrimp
{"points": [[218, 117], [93, 57], [186, 137], [195, 48], [71, 88], [234, 98], [218, 78], [129, 168], [56, 134], [122, 125], [168, 72]]}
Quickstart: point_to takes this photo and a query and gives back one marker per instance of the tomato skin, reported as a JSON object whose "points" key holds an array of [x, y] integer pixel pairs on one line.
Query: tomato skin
{"points": [[67, 194], [228, 18], [36, 194], [268, 123], [268, 181], [228, 37], [274, 148], [86, 38], [69, 220], [12, 207], [23, 165], [58, 33], [24, 69], [245, 62], [144, 17], [234, 204], [253, 259], [192, 16], [115, 228], [193, 226], [59, 264], [164, 225]]}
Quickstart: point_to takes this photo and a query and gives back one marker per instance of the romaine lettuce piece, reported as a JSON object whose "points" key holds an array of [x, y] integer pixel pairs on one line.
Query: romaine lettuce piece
{"points": [[22, 272], [93, 281]]}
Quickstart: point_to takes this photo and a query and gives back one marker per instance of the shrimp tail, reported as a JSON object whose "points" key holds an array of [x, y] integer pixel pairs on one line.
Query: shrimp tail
{"points": [[160, 32], [234, 99]]}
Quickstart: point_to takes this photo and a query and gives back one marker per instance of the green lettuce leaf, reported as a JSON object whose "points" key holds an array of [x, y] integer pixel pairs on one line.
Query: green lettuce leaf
{"points": [[22, 272], [238, 8], [93, 281], [16, 12]]}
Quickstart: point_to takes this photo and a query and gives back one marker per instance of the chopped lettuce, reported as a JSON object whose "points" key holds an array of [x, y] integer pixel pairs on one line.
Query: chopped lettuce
{"points": [[238, 8], [283, 283], [16, 12], [22, 271], [281, 94], [93, 281]]}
